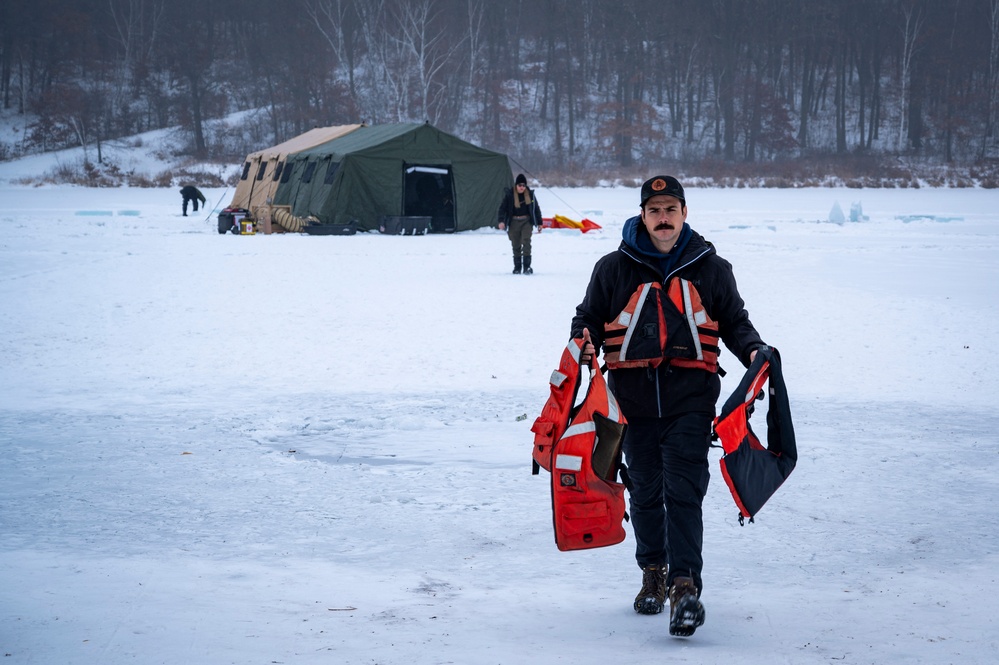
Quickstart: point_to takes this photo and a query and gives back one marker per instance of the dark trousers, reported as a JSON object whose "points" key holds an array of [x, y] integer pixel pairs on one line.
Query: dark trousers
{"points": [[519, 234], [667, 462], [194, 200]]}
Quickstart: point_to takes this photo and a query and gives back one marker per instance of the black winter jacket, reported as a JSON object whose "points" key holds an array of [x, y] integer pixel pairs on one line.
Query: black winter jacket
{"points": [[190, 192], [667, 391], [507, 209]]}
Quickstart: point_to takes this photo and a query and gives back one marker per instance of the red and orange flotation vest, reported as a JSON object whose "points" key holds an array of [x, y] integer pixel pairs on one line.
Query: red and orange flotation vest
{"points": [[581, 446], [753, 473], [655, 327]]}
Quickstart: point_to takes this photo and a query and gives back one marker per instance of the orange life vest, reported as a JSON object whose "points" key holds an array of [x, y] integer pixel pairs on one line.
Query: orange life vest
{"points": [[581, 446], [655, 327], [557, 411], [753, 473]]}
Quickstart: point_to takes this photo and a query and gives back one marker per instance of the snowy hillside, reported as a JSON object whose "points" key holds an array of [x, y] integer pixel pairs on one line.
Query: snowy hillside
{"points": [[293, 449], [144, 160]]}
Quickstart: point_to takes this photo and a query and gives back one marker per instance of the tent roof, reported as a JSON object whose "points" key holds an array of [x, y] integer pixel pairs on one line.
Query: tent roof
{"points": [[360, 140], [309, 139], [379, 135]]}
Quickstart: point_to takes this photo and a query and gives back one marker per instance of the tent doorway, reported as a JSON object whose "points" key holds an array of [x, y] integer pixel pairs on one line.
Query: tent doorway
{"points": [[429, 192]]}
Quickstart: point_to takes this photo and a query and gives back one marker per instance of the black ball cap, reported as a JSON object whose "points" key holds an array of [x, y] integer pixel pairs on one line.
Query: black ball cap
{"points": [[662, 185]]}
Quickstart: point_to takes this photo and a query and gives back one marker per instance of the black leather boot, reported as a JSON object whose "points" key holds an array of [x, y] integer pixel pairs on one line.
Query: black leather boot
{"points": [[517, 264], [527, 266]]}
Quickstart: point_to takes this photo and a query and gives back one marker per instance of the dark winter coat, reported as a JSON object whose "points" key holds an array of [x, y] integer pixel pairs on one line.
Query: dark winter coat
{"points": [[190, 192], [666, 391], [508, 210]]}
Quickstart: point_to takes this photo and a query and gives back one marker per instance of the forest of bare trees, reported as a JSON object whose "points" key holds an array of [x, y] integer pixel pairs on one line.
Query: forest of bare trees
{"points": [[561, 85]]}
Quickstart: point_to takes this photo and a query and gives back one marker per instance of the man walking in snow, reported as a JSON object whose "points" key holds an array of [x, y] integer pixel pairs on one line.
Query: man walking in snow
{"points": [[191, 193], [666, 383]]}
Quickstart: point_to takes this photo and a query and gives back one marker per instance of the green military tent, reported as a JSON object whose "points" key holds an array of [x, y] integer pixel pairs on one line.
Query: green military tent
{"points": [[391, 171]]}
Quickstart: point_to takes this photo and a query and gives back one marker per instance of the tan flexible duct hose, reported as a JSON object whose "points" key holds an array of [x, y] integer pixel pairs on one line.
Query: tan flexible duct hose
{"points": [[290, 222]]}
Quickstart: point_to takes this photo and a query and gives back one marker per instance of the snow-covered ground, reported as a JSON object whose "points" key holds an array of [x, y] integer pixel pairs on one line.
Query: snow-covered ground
{"points": [[293, 449]]}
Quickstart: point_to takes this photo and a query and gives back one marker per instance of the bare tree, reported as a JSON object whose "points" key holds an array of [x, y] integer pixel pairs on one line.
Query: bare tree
{"points": [[912, 28], [424, 36], [137, 25], [991, 127], [386, 71], [336, 21], [476, 21]]}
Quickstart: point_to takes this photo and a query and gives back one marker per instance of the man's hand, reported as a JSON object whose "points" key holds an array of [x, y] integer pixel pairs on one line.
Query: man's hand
{"points": [[502, 226], [588, 351]]}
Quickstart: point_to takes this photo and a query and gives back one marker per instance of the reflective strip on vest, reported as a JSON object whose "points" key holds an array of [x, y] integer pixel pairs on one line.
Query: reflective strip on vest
{"points": [[558, 378], [688, 309], [580, 428], [629, 320], [613, 410], [569, 462], [703, 330], [574, 350]]}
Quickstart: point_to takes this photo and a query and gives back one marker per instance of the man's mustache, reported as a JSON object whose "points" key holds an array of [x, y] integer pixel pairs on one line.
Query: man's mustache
{"points": [[662, 226]]}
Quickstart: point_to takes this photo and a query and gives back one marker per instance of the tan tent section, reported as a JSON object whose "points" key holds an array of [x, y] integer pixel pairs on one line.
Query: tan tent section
{"points": [[262, 170]]}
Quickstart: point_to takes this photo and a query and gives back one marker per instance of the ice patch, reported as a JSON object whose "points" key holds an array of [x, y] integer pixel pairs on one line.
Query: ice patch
{"points": [[107, 213], [928, 218]]}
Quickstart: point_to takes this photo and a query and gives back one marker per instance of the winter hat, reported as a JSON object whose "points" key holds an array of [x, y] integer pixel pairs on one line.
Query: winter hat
{"points": [[662, 185], [521, 180]]}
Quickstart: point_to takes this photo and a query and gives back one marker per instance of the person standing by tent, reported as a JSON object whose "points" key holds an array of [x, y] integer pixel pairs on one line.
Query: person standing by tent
{"points": [[519, 214], [191, 193], [666, 383]]}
